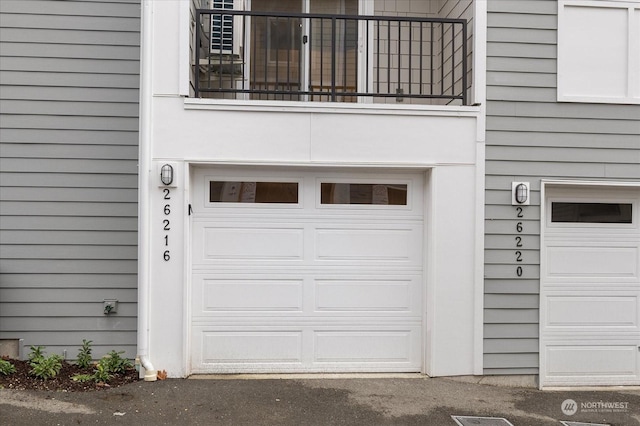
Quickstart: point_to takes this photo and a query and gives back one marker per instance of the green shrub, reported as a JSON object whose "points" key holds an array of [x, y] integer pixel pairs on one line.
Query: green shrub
{"points": [[37, 353], [114, 363], [6, 367], [101, 373], [84, 354], [108, 366], [46, 367]]}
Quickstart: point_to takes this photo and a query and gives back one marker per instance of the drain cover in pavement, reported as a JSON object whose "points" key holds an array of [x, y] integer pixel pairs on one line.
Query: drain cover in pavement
{"points": [[567, 423], [481, 421]]}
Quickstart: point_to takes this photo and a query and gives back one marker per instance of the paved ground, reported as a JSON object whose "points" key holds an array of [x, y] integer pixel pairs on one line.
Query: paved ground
{"points": [[328, 401]]}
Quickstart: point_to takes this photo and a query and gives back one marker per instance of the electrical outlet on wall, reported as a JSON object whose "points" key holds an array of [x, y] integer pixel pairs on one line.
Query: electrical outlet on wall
{"points": [[110, 306]]}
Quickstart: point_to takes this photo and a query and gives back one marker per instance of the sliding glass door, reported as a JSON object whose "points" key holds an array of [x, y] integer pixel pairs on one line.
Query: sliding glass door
{"points": [[294, 54]]}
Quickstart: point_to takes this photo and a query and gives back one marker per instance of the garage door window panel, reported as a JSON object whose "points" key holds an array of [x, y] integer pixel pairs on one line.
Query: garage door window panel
{"points": [[577, 212], [363, 194], [253, 192]]}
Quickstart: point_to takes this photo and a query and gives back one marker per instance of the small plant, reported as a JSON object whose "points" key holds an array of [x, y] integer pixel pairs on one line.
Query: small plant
{"points": [[114, 363], [101, 374], [37, 353], [84, 354], [109, 365], [82, 378], [6, 367], [46, 367]]}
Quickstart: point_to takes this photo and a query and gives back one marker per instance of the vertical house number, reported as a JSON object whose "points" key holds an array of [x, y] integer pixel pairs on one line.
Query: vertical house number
{"points": [[518, 252], [166, 223]]}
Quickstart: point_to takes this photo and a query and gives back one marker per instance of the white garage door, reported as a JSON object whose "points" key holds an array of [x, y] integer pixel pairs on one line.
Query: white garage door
{"points": [[590, 287], [306, 271]]}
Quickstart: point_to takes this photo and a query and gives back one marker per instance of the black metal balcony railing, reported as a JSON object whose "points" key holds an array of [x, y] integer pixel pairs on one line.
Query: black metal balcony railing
{"points": [[337, 58]]}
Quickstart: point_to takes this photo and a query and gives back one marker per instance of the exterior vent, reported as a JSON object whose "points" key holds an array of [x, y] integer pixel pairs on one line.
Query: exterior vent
{"points": [[481, 421]]}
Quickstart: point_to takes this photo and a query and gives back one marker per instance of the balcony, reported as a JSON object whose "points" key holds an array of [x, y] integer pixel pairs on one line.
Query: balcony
{"points": [[321, 57]]}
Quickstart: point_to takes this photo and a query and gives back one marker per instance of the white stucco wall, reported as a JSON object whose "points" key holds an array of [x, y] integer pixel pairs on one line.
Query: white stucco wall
{"points": [[442, 141]]}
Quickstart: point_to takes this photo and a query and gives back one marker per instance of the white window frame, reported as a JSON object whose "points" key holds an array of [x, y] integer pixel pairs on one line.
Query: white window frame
{"points": [[633, 47]]}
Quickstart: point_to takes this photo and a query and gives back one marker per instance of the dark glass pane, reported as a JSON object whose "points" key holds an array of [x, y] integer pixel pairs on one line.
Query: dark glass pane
{"points": [[363, 193], [591, 212], [253, 192]]}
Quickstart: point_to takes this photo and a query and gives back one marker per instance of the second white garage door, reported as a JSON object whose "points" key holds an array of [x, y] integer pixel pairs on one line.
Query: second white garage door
{"points": [[590, 287], [298, 270]]}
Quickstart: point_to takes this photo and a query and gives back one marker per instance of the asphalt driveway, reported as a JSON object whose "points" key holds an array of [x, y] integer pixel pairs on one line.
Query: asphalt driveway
{"points": [[317, 401]]}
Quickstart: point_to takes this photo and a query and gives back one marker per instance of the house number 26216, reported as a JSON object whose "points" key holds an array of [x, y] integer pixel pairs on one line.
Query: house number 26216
{"points": [[166, 223]]}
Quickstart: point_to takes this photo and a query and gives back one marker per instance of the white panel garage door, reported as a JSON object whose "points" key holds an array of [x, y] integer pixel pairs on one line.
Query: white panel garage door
{"points": [[590, 287], [306, 271]]}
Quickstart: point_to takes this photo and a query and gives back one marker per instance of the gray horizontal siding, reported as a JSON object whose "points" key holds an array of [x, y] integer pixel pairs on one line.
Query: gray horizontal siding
{"points": [[501, 64], [75, 280], [100, 66], [69, 78], [516, 345], [88, 37], [61, 195], [511, 286], [48, 165], [75, 8], [526, 21], [530, 136], [73, 136], [50, 78], [64, 309], [568, 155], [564, 125], [504, 361], [67, 251], [522, 7], [522, 35], [32, 20], [68, 223], [82, 109], [59, 50], [64, 295], [109, 152], [15, 179], [515, 315], [535, 170], [84, 238], [562, 111], [73, 94], [53, 122], [53, 324], [55, 265], [56, 208]]}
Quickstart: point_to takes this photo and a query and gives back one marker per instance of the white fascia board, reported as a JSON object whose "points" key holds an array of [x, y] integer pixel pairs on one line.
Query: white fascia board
{"points": [[330, 108]]}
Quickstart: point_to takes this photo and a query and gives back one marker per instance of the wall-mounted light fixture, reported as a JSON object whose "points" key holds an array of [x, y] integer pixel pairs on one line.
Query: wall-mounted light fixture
{"points": [[520, 194], [166, 174]]}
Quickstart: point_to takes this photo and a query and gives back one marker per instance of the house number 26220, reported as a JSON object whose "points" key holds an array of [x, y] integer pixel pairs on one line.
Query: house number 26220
{"points": [[166, 223], [518, 252]]}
